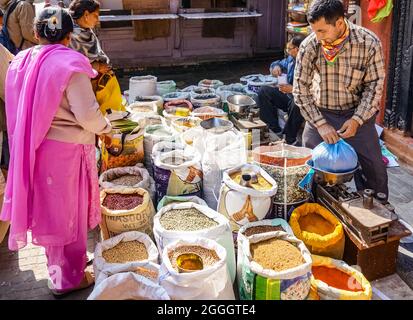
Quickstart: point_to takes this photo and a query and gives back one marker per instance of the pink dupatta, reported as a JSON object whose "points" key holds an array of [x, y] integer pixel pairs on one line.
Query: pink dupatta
{"points": [[34, 89]]}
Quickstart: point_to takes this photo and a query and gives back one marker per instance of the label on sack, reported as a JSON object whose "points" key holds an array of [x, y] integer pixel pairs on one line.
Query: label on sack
{"points": [[307, 182]]}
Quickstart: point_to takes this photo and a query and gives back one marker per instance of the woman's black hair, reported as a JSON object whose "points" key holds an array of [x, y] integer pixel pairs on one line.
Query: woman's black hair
{"points": [[330, 10], [77, 8], [53, 24]]}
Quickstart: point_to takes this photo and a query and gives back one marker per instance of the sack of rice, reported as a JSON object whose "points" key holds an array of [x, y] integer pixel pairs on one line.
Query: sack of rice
{"points": [[177, 173], [273, 266], [123, 250], [196, 270], [246, 195], [126, 209], [128, 177], [189, 220]]}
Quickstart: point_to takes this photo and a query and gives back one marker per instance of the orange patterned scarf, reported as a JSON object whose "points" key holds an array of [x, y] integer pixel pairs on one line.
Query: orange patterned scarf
{"points": [[331, 50]]}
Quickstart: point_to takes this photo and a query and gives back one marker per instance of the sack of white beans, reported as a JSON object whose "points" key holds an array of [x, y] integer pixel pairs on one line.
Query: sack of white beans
{"points": [[211, 283]]}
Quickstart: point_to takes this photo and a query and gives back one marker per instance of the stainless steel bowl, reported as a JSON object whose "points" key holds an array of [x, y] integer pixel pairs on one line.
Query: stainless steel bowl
{"points": [[329, 178], [239, 103], [217, 125]]}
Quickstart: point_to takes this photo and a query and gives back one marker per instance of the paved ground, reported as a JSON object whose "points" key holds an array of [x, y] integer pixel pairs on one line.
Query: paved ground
{"points": [[23, 274]]}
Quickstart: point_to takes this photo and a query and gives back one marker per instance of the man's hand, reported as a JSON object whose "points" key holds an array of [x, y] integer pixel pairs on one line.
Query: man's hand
{"points": [[286, 88], [328, 133], [276, 71], [349, 129]]}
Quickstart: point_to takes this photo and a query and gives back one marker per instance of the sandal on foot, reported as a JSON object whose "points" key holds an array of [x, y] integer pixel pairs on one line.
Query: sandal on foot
{"points": [[87, 281]]}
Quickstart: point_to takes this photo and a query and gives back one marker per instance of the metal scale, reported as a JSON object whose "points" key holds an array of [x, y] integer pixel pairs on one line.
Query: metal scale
{"points": [[367, 217], [372, 229], [244, 114]]}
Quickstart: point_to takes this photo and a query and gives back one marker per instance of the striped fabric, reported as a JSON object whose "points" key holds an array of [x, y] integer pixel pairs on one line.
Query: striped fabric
{"points": [[354, 81]]}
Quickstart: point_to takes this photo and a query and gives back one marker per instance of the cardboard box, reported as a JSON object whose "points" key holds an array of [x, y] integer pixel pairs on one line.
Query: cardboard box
{"points": [[145, 5]]}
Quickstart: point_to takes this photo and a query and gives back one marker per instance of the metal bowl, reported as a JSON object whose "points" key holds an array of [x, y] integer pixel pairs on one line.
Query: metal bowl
{"points": [[217, 125], [189, 262], [329, 178], [239, 103]]}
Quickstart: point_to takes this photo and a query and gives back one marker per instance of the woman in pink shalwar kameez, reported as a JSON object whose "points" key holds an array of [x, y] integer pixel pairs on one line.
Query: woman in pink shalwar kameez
{"points": [[53, 117]]}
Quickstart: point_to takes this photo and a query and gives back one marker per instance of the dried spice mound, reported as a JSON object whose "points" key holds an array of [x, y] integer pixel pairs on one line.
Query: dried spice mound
{"points": [[277, 255], [127, 180], [189, 219], [118, 201], [209, 257], [261, 229], [126, 252]]}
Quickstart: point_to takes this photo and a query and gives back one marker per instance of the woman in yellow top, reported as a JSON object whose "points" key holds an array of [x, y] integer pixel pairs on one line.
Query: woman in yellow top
{"points": [[85, 14]]}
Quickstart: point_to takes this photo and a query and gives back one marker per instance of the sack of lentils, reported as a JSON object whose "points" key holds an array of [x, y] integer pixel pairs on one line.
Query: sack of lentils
{"points": [[126, 209], [273, 266], [189, 220], [263, 226], [128, 177], [124, 249], [210, 281]]}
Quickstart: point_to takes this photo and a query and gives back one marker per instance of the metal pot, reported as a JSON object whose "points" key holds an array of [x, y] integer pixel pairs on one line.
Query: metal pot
{"points": [[217, 125], [329, 178], [240, 103]]}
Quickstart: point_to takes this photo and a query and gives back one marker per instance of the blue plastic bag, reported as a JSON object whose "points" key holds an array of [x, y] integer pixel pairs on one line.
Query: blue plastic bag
{"points": [[336, 158]]}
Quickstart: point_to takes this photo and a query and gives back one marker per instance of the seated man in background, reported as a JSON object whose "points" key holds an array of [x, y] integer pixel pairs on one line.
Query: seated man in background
{"points": [[271, 99]]}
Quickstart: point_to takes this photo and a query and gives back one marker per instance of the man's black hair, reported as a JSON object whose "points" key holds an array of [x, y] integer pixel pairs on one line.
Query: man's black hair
{"points": [[296, 40], [330, 10]]}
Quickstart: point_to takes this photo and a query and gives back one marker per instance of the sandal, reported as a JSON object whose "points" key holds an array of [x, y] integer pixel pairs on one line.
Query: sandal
{"points": [[87, 281]]}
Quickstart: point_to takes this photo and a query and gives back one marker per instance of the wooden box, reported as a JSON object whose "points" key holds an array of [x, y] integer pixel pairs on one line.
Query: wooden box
{"points": [[377, 260]]}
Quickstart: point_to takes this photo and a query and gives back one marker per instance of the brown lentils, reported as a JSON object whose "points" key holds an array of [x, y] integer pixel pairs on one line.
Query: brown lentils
{"points": [[261, 229], [189, 219], [126, 252], [118, 201], [276, 254], [127, 180]]}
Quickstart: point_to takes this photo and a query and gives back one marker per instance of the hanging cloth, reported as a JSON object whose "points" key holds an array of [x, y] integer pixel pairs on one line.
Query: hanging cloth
{"points": [[383, 12], [331, 50], [374, 7]]}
